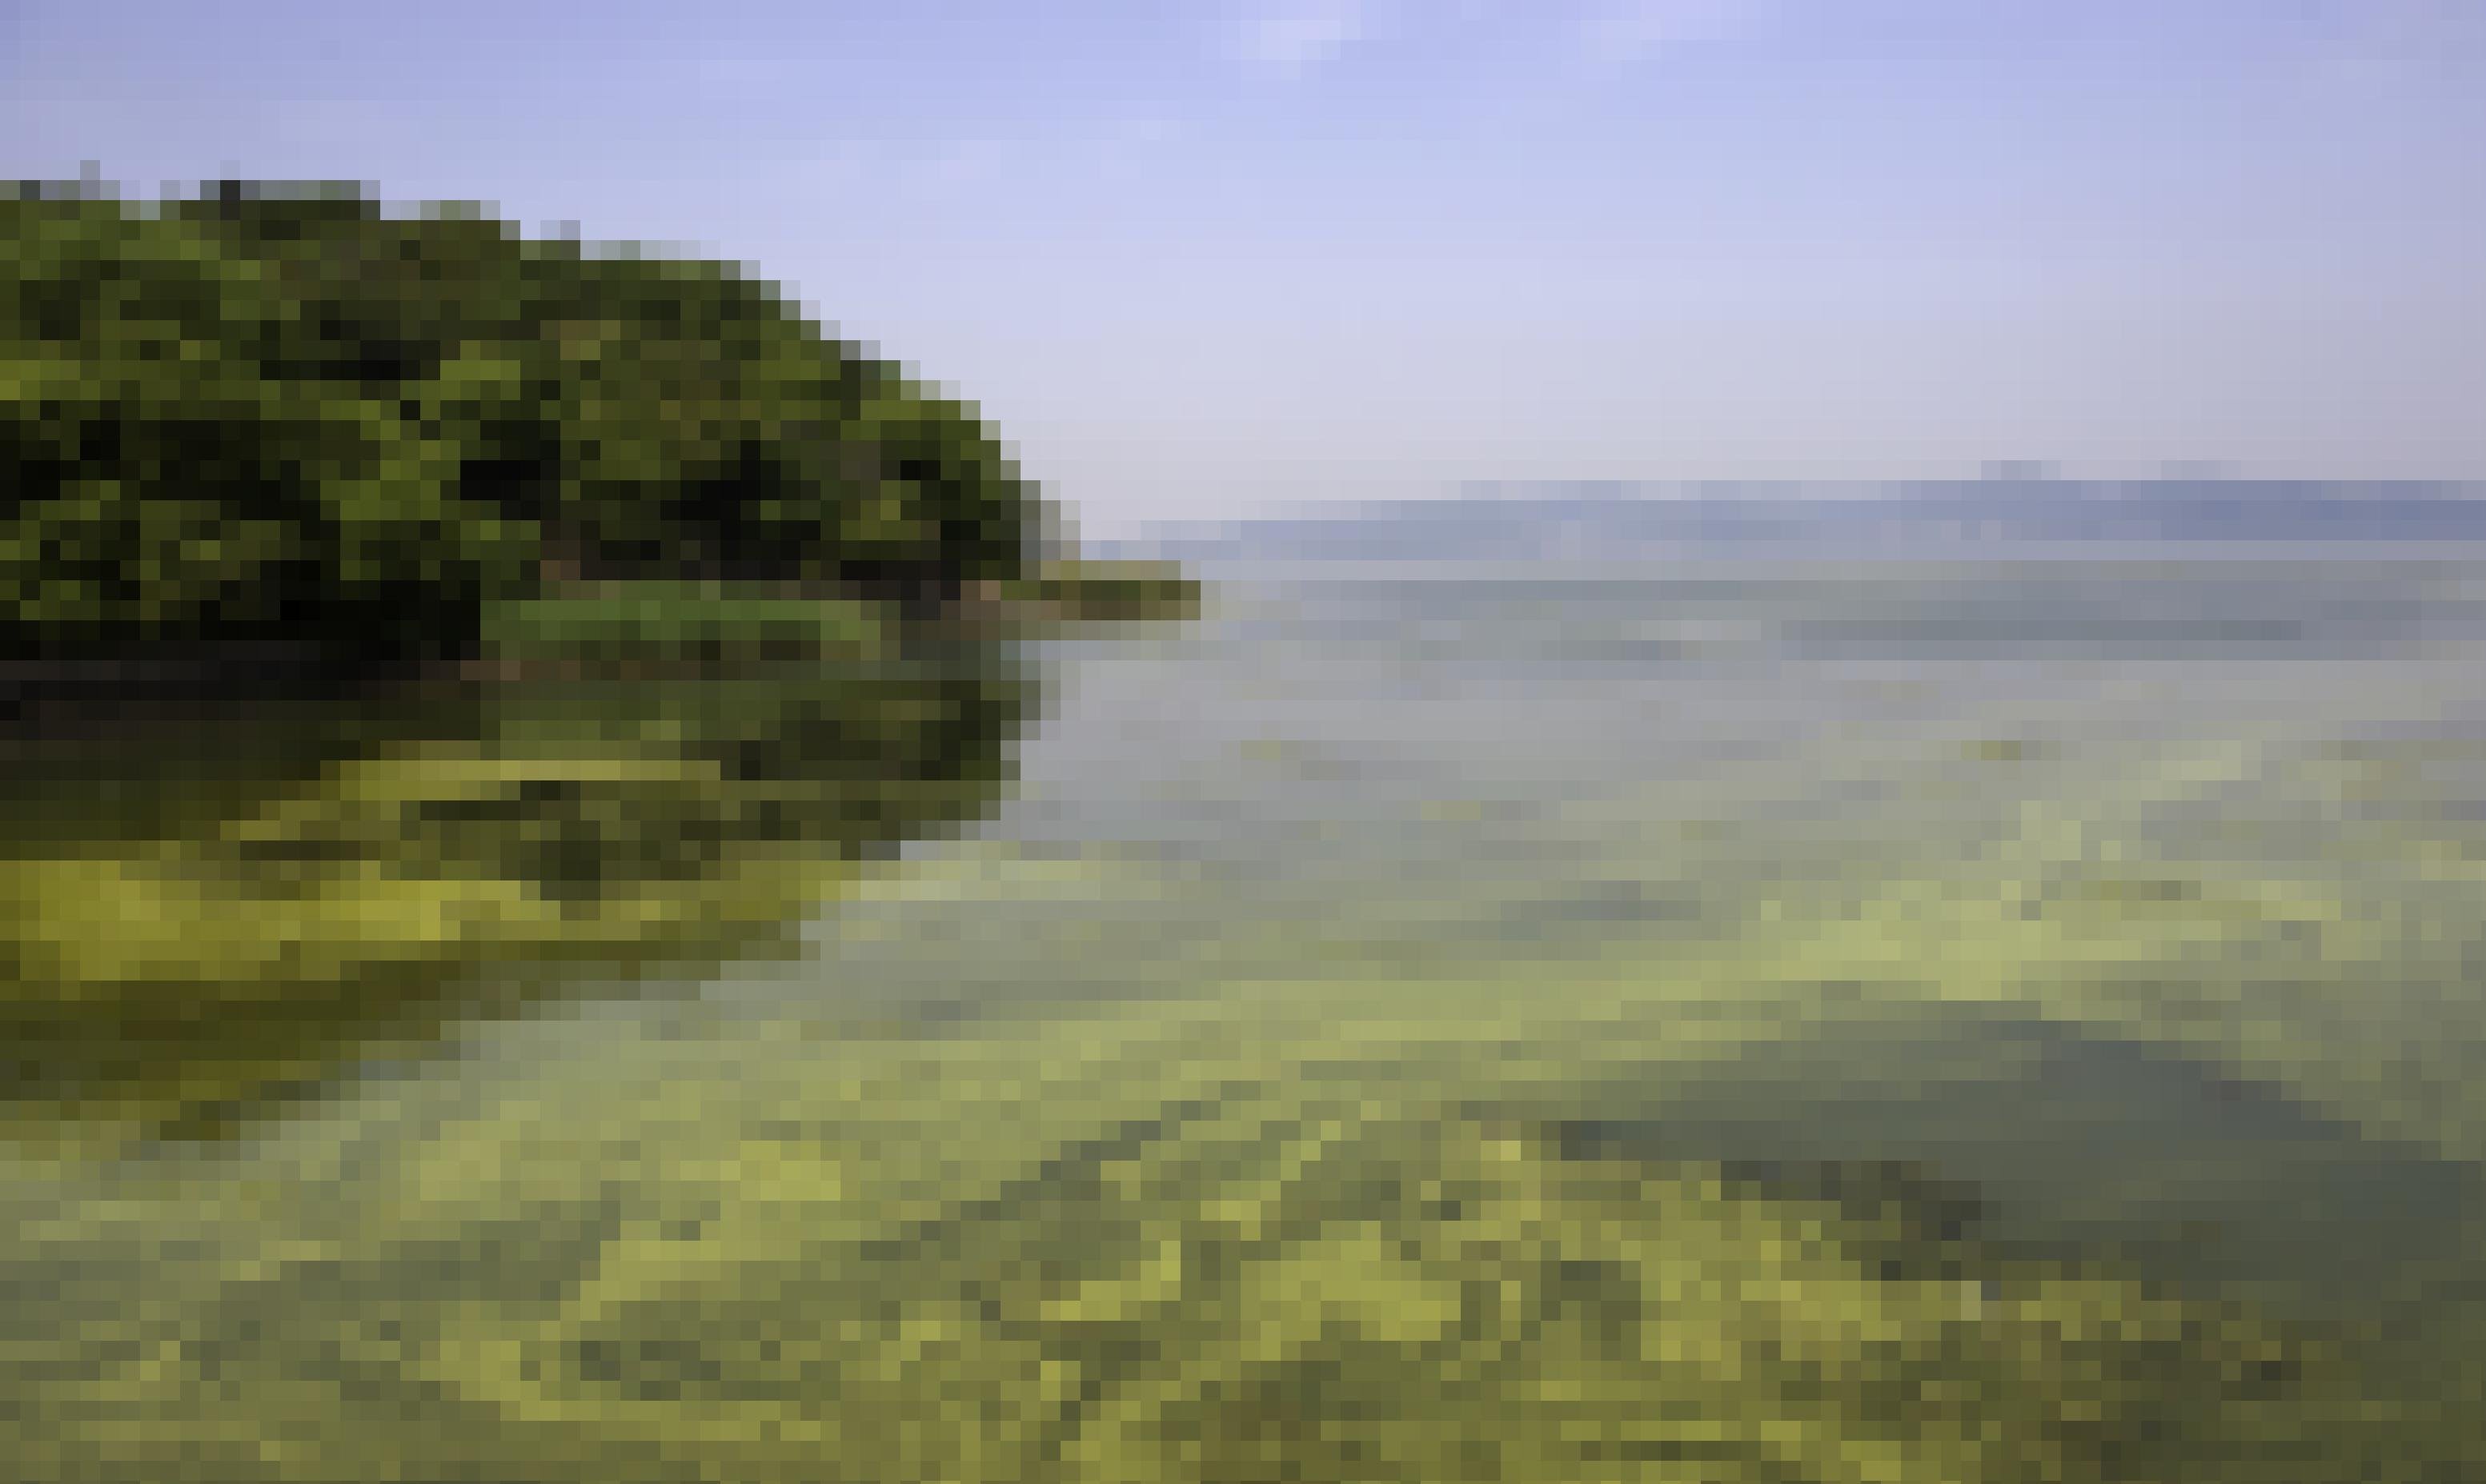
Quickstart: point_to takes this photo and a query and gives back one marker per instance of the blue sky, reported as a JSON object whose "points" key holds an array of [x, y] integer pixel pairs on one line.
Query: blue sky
{"points": [[1194, 258]]}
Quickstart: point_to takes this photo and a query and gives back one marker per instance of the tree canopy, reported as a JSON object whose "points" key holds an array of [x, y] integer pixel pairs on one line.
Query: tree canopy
{"points": [[284, 413]]}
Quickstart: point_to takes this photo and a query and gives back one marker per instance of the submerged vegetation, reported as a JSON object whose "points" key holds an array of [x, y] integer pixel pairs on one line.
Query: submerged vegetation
{"points": [[2010, 1163], [180, 929], [1244, 1295]]}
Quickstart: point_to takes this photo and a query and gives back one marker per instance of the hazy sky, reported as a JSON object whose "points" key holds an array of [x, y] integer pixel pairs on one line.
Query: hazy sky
{"points": [[1196, 257]]}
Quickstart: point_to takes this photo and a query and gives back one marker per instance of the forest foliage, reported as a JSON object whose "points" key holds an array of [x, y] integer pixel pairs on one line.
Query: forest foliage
{"points": [[284, 413]]}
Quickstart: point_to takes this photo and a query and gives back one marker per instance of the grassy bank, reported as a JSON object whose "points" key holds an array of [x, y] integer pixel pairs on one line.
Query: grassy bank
{"points": [[681, 619], [687, 624], [1091, 590]]}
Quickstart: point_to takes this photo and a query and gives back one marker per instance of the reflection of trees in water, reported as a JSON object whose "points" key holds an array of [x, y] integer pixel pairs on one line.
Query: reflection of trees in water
{"points": [[202, 913]]}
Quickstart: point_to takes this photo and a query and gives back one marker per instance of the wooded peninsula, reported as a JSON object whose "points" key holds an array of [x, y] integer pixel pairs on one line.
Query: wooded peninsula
{"points": [[280, 427]]}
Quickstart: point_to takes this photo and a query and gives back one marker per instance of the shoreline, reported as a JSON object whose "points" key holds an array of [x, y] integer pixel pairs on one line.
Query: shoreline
{"points": [[161, 680]]}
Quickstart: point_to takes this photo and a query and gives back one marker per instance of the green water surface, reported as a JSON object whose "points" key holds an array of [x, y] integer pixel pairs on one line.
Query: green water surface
{"points": [[1810, 1023]]}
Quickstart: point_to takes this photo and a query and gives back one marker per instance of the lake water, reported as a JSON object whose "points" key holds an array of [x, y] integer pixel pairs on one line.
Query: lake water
{"points": [[2130, 903]]}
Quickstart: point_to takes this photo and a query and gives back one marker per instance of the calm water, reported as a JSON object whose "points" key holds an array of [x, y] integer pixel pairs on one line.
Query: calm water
{"points": [[2138, 896]]}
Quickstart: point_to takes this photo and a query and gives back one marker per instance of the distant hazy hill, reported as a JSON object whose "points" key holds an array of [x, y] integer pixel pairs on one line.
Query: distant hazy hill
{"points": [[1613, 520]]}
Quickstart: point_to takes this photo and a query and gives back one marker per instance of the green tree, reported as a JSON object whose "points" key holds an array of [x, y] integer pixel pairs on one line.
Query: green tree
{"points": [[282, 412]]}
